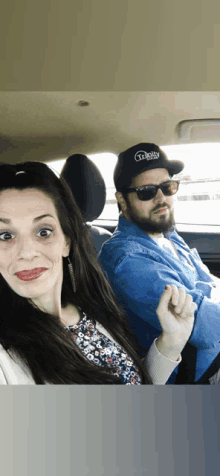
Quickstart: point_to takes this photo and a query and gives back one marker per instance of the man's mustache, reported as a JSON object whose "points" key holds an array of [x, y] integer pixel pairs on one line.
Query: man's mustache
{"points": [[160, 205]]}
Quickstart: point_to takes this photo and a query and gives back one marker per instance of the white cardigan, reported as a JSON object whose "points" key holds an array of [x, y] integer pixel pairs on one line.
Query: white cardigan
{"points": [[14, 372]]}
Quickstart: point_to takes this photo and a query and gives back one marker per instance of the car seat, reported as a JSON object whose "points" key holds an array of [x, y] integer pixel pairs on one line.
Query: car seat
{"points": [[89, 190]]}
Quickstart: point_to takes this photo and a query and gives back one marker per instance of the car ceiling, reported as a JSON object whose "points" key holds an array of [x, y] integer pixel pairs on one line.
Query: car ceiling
{"points": [[53, 125], [121, 45]]}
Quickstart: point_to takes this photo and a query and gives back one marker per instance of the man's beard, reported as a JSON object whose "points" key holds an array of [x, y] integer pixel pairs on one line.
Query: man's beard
{"points": [[163, 225]]}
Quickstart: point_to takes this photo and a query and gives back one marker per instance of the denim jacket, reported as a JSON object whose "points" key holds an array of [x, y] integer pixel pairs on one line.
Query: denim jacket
{"points": [[139, 269]]}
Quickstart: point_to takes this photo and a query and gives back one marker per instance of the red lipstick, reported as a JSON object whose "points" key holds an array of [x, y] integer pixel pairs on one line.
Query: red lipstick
{"points": [[29, 275]]}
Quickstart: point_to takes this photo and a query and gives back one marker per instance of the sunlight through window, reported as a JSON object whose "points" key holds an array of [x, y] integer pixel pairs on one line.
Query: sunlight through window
{"points": [[198, 199]]}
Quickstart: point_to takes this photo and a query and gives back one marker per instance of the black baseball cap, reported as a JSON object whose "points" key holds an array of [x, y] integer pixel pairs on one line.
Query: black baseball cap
{"points": [[139, 158]]}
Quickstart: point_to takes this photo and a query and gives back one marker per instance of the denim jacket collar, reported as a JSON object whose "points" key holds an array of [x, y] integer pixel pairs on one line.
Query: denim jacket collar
{"points": [[129, 228]]}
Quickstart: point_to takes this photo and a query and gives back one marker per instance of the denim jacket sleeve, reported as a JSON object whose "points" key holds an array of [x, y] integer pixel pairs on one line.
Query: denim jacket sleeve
{"points": [[139, 281]]}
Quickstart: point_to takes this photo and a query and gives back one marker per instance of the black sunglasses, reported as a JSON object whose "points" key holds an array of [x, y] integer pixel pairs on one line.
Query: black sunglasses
{"points": [[150, 191]]}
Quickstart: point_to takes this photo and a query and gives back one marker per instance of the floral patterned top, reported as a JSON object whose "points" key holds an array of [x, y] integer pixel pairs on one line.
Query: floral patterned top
{"points": [[101, 350]]}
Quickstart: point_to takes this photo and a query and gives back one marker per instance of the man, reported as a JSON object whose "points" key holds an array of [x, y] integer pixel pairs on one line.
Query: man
{"points": [[146, 253]]}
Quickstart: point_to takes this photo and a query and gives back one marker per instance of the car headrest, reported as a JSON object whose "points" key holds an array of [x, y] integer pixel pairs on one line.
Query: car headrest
{"points": [[87, 185]]}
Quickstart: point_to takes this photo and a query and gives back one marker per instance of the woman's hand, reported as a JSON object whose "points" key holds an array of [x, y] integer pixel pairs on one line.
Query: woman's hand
{"points": [[176, 315]]}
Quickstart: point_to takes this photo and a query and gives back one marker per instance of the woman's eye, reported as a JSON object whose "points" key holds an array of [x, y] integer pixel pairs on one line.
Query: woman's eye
{"points": [[45, 232], [6, 236]]}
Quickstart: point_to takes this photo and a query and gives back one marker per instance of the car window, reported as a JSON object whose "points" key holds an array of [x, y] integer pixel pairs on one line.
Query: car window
{"points": [[198, 198]]}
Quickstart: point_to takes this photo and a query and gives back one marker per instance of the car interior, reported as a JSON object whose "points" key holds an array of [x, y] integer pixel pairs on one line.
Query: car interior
{"points": [[79, 135], [80, 82]]}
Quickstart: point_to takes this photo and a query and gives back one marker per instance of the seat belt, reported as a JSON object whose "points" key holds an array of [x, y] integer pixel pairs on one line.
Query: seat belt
{"points": [[187, 367]]}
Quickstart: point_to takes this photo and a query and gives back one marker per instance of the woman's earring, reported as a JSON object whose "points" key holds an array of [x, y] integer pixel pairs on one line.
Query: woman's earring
{"points": [[72, 277]]}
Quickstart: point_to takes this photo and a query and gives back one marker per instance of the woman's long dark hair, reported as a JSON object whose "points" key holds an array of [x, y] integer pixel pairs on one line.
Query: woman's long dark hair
{"points": [[39, 338]]}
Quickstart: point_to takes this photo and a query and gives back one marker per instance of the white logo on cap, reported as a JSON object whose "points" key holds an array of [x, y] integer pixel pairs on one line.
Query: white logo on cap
{"points": [[141, 155]]}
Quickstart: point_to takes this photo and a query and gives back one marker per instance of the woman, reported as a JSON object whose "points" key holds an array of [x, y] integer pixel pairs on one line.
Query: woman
{"points": [[61, 323]]}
